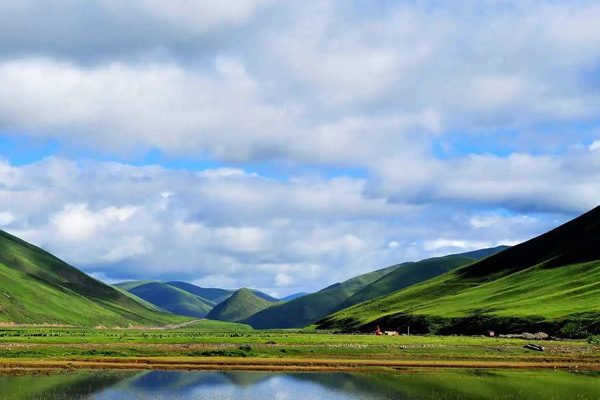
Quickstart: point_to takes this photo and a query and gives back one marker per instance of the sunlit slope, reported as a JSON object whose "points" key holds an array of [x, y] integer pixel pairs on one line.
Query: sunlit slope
{"points": [[242, 304], [173, 299], [307, 309], [414, 272], [551, 278], [36, 288]]}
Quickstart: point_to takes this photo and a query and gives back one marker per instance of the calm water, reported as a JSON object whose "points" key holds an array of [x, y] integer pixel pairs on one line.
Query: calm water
{"points": [[282, 386]]}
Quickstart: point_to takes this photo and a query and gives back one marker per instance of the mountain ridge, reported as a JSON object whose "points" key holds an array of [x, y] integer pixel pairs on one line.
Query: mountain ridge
{"points": [[242, 304], [544, 283]]}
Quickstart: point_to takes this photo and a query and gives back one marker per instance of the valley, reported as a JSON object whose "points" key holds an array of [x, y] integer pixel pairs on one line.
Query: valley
{"points": [[548, 284]]}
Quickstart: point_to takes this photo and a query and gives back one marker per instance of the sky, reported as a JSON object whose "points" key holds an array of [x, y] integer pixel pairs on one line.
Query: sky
{"points": [[288, 145]]}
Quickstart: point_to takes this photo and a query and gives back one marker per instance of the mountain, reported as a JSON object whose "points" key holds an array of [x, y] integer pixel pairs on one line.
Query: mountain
{"points": [[242, 304], [216, 295], [264, 296], [212, 294], [130, 284], [37, 288], [173, 299], [293, 296], [549, 283], [309, 308], [312, 307], [411, 273], [181, 297]]}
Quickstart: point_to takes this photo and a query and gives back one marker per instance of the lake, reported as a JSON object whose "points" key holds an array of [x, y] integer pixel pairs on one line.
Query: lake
{"points": [[221, 385]]}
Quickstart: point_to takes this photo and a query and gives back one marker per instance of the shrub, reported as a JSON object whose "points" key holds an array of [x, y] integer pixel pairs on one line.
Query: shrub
{"points": [[594, 339], [574, 330]]}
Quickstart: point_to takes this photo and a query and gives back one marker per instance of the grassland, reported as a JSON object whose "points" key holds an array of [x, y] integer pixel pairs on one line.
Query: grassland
{"points": [[214, 345]]}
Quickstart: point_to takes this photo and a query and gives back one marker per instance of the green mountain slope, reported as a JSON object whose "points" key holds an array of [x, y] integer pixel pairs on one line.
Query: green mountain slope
{"points": [[173, 299], [181, 297], [36, 288], [264, 296], [242, 304], [409, 274], [312, 307], [130, 284], [212, 294], [541, 284]]}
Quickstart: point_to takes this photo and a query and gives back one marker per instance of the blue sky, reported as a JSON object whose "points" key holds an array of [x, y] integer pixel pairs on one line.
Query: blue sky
{"points": [[289, 145]]}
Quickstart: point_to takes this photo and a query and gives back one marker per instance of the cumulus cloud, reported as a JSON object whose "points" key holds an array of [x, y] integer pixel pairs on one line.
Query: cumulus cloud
{"points": [[520, 182], [401, 91], [225, 229], [103, 29], [6, 217], [319, 83]]}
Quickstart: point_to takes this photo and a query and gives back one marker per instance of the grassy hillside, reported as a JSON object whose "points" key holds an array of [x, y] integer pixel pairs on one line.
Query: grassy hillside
{"points": [[215, 295], [411, 273], [549, 283], [181, 297], [140, 300], [263, 295], [312, 307], [406, 275], [242, 304], [212, 294], [173, 299], [130, 284], [37, 288]]}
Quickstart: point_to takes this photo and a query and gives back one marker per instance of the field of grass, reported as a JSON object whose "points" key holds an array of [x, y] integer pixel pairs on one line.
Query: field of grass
{"points": [[212, 343]]}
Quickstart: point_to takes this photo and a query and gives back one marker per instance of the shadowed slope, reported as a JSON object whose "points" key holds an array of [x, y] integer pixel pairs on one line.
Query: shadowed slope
{"points": [[173, 299], [310, 308]]}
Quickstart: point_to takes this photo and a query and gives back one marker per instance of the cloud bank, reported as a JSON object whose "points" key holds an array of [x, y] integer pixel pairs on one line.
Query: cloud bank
{"points": [[327, 138]]}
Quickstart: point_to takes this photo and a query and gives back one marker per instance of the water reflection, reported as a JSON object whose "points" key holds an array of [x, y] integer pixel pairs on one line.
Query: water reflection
{"points": [[424, 384]]}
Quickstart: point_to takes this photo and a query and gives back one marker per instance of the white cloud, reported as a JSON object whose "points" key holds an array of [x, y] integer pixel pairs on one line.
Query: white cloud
{"points": [[375, 87], [316, 83], [453, 243], [76, 223], [282, 279], [214, 230], [7, 218], [520, 182]]}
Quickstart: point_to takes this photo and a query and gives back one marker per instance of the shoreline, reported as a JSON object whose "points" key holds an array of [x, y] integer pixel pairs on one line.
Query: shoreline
{"points": [[10, 366]]}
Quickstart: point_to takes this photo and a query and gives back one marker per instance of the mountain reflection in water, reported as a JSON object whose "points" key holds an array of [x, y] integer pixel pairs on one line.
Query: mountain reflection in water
{"points": [[422, 384]]}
